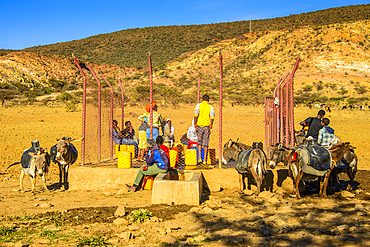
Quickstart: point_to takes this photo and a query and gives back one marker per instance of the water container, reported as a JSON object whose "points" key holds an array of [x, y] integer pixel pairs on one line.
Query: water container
{"points": [[120, 148], [149, 180], [191, 157], [173, 158], [131, 149], [124, 159], [178, 153]]}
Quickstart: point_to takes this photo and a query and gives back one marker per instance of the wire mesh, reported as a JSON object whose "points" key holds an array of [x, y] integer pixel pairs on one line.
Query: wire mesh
{"points": [[239, 122]]}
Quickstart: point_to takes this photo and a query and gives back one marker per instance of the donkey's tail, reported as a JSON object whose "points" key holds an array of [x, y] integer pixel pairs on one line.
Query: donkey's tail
{"points": [[15, 163]]}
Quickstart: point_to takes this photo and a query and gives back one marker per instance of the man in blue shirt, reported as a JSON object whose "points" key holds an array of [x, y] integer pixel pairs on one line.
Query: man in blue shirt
{"points": [[156, 162]]}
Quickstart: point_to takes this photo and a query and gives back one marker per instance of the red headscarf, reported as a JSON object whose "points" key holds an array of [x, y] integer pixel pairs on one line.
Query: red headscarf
{"points": [[147, 107]]}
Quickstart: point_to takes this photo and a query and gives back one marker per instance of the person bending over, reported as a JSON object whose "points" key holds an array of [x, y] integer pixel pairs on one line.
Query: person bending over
{"points": [[156, 162], [159, 142], [314, 124]]}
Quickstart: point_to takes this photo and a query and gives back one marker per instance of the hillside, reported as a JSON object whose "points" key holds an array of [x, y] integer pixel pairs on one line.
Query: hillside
{"points": [[334, 64], [26, 75], [130, 47], [334, 68]]}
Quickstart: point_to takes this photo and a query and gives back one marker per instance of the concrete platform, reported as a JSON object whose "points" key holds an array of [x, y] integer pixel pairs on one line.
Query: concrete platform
{"points": [[184, 189], [111, 177]]}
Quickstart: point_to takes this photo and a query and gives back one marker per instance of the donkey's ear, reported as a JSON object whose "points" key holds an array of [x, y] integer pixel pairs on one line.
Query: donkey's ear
{"points": [[237, 140], [280, 146], [230, 143]]}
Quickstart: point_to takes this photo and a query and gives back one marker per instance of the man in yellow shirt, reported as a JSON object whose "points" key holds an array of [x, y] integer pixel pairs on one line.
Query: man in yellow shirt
{"points": [[204, 115]]}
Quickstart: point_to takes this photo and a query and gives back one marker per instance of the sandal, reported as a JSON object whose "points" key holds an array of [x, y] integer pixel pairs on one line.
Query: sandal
{"points": [[130, 188]]}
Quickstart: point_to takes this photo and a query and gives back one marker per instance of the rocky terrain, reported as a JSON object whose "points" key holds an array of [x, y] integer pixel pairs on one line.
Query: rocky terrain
{"points": [[225, 218]]}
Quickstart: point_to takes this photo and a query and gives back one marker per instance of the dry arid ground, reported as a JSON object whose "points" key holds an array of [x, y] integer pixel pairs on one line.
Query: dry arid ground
{"points": [[77, 218]]}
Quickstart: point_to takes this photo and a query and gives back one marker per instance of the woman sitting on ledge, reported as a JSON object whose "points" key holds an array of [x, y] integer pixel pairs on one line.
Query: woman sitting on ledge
{"points": [[156, 162]]}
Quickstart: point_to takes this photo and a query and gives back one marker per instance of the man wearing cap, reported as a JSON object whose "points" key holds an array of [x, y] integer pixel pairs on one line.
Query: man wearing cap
{"points": [[156, 162], [314, 124], [204, 115]]}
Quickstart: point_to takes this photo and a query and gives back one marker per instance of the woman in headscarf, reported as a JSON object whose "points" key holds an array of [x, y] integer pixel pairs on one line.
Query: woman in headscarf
{"points": [[157, 120]]}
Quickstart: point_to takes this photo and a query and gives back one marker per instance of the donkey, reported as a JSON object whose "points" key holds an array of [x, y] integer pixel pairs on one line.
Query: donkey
{"points": [[278, 154], [248, 160], [33, 164], [347, 165], [338, 151], [64, 154]]}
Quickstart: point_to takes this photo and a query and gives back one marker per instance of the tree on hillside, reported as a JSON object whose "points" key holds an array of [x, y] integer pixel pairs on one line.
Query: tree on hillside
{"points": [[7, 94], [319, 86], [360, 89]]}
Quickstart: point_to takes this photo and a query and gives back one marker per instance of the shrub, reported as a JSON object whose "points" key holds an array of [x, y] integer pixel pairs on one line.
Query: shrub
{"points": [[64, 97], [307, 88], [71, 107], [139, 216], [6, 230], [92, 241]]}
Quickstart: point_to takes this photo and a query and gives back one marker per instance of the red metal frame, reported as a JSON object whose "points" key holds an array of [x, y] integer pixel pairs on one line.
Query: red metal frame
{"points": [[123, 103], [198, 93], [151, 95], [279, 121], [99, 112], [220, 124], [83, 112]]}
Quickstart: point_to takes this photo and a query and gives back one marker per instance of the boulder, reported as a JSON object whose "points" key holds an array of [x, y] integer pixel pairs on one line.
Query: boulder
{"points": [[200, 238], [168, 240], [265, 195], [346, 194], [359, 207], [120, 212], [22, 244], [120, 221], [126, 236], [207, 210]]}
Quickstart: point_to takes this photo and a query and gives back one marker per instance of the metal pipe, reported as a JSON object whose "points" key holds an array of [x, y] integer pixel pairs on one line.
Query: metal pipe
{"points": [[151, 95], [281, 108], [198, 94], [111, 116], [99, 111], [266, 123], [123, 103], [83, 112], [220, 121], [292, 137], [287, 114]]}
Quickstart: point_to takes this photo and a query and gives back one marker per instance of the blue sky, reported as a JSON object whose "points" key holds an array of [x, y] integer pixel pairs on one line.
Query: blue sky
{"points": [[31, 23]]}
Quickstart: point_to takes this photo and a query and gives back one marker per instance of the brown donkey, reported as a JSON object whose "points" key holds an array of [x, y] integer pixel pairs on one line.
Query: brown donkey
{"points": [[296, 172], [247, 160]]}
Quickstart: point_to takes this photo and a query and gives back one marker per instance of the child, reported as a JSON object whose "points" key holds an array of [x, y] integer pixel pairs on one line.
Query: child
{"points": [[326, 134]]}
